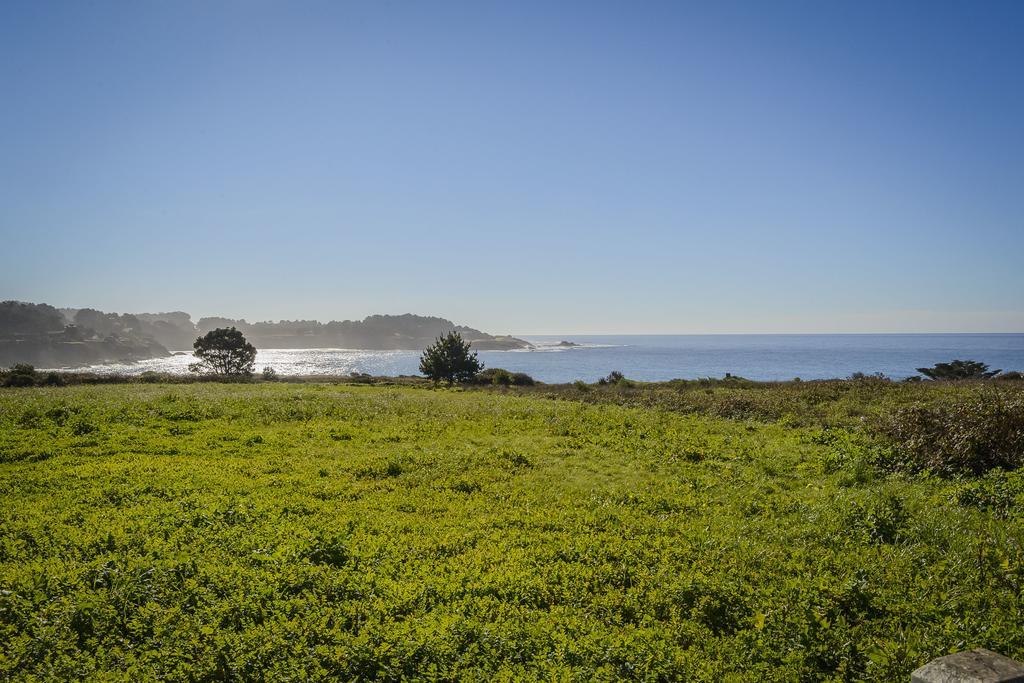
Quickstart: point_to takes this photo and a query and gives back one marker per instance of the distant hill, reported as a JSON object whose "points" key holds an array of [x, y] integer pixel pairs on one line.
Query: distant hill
{"points": [[43, 336], [406, 331], [49, 337]]}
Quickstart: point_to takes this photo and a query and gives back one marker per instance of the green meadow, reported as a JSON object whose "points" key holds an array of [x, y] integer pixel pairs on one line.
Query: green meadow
{"points": [[294, 532]]}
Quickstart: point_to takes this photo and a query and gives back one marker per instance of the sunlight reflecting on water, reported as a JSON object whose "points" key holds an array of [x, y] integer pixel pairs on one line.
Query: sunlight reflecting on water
{"points": [[288, 362], [760, 357], [297, 362]]}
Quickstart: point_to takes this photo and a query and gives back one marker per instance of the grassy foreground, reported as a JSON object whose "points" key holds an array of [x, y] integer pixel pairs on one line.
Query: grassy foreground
{"points": [[310, 531]]}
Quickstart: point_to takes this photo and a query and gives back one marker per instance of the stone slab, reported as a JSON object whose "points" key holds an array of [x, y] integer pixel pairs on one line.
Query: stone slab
{"points": [[974, 666]]}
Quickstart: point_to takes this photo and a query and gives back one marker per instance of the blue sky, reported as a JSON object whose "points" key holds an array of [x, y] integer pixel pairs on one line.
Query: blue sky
{"points": [[520, 167]]}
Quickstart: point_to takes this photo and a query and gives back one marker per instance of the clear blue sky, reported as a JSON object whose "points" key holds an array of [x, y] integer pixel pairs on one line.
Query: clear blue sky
{"points": [[523, 167]]}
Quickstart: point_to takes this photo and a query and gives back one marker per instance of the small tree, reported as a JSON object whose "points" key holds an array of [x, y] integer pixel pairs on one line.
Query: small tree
{"points": [[958, 369], [450, 359], [224, 351]]}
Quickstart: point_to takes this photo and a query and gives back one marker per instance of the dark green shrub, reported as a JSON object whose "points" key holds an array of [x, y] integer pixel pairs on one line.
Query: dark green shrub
{"points": [[463, 486], [516, 459], [81, 427], [269, 374], [958, 369], [998, 491], [850, 454], [972, 435], [60, 414], [614, 377], [881, 519], [720, 607], [52, 379], [20, 375], [496, 376], [502, 377], [873, 377], [327, 549]]}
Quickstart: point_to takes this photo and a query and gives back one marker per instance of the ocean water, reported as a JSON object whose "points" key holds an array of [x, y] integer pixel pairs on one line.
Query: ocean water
{"points": [[663, 357]]}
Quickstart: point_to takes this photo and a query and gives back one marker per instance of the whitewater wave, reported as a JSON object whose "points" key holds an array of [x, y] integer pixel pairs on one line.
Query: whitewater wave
{"points": [[555, 347]]}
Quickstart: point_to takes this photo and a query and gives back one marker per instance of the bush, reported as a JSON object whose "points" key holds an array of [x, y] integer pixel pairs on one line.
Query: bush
{"points": [[873, 377], [521, 379], [269, 374], [53, 379], [614, 377], [958, 369], [882, 519], [20, 375], [502, 377], [998, 492], [81, 427], [969, 436], [496, 376]]}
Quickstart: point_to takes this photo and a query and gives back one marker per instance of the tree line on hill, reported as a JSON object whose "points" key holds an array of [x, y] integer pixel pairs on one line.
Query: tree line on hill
{"points": [[408, 331], [43, 335]]}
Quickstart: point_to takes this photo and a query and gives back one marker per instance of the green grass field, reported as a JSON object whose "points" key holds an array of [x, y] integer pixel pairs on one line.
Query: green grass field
{"points": [[310, 531]]}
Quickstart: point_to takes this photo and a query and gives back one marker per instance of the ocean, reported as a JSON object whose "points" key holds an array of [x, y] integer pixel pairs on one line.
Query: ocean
{"points": [[662, 357]]}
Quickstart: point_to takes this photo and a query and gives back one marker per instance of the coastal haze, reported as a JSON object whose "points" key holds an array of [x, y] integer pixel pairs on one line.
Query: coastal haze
{"points": [[92, 341]]}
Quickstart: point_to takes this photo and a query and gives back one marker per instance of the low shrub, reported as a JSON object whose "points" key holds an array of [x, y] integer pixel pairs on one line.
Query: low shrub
{"points": [[81, 426], [966, 436], [504, 378], [20, 375], [327, 549], [849, 453], [873, 377], [614, 377], [53, 379], [882, 519], [958, 370], [998, 492], [495, 376]]}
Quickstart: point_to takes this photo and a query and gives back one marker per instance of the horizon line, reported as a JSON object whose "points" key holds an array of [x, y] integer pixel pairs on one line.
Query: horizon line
{"points": [[744, 334]]}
